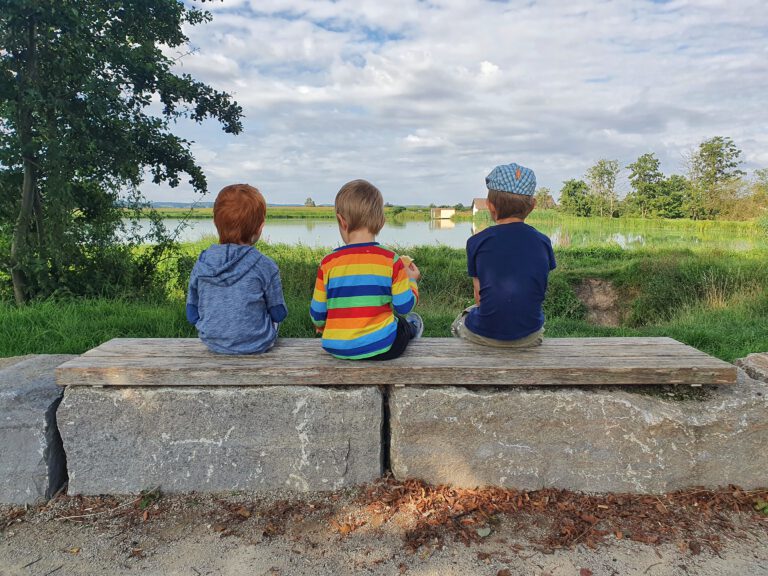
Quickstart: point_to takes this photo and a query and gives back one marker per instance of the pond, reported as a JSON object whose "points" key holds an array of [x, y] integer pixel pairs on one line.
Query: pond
{"points": [[563, 231]]}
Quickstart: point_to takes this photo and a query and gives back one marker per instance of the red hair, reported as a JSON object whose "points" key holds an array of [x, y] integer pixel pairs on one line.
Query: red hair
{"points": [[238, 213]]}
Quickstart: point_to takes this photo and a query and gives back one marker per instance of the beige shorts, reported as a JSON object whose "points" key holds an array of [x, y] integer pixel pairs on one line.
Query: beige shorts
{"points": [[459, 330]]}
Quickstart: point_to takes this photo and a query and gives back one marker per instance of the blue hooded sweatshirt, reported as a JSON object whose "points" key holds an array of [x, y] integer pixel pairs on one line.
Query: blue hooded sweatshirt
{"points": [[235, 299]]}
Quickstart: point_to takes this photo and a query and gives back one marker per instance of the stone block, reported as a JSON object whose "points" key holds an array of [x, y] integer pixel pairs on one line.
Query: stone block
{"points": [[755, 365], [32, 463], [592, 440], [211, 439]]}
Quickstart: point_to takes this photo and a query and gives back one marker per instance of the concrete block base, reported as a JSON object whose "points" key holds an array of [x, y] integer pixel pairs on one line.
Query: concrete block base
{"points": [[32, 463], [587, 439], [210, 439]]}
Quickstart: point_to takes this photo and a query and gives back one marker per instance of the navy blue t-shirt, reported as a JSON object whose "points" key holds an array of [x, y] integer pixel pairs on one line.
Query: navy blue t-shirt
{"points": [[512, 262]]}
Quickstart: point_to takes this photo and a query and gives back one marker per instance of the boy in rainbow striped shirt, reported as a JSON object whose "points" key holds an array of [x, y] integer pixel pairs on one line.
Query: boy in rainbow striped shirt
{"points": [[364, 293]]}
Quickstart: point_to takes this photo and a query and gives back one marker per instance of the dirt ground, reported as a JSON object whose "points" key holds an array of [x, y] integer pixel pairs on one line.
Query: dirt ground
{"points": [[390, 528]]}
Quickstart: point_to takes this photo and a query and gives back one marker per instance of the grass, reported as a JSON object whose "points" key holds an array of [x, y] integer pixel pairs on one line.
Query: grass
{"points": [[716, 301]]}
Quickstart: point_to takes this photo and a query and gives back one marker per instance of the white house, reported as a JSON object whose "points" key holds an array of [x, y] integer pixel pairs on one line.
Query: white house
{"points": [[442, 213], [479, 204]]}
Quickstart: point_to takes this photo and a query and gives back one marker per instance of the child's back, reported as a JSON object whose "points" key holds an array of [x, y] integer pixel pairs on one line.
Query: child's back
{"points": [[234, 286], [358, 289], [512, 263]]}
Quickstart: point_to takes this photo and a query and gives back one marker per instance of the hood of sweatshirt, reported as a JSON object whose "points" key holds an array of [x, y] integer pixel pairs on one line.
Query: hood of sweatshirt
{"points": [[225, 264]]}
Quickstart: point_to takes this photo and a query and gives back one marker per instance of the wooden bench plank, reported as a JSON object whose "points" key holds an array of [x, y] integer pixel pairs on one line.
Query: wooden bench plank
{"points": [[436, 361]]}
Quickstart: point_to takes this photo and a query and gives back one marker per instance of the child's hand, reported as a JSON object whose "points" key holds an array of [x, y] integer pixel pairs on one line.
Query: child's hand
{"points": [[413, 272]]}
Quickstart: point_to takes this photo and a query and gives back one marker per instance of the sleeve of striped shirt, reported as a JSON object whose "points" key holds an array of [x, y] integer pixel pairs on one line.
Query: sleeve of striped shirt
{"points": [[318, 308], [405, 293]]}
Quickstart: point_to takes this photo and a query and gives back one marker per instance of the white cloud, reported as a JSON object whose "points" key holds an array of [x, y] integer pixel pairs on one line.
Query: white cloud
{"points": [[424, 98]]}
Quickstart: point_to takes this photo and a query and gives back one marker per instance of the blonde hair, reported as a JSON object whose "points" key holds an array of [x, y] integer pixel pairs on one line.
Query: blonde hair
{"points": [[362, 206], [238, 213], [508, 204]]}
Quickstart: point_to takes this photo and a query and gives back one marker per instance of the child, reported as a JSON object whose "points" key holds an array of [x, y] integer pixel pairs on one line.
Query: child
{"points": [[509, 264], [363, 291], [235, 297]]}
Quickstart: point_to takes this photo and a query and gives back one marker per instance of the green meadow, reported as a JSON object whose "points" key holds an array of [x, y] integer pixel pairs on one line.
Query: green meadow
{"points": [[714, 300]]}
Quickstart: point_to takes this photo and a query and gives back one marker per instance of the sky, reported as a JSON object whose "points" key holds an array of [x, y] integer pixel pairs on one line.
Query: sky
{"points": [[424, 98]]}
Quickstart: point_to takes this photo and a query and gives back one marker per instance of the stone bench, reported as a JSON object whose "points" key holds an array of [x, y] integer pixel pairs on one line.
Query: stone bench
{"points": [[139, 413]]}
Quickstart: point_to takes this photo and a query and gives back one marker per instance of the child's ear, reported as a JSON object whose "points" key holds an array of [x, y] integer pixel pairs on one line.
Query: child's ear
{"points": [[491, 209], [258, 234], [342, 222]]}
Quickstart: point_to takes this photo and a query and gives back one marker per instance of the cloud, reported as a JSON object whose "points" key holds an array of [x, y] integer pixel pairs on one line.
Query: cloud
{"points": [[425, 97]]}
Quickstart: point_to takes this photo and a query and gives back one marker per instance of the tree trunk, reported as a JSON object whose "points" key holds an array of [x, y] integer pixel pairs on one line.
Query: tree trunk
{"points": [[20, 243]]}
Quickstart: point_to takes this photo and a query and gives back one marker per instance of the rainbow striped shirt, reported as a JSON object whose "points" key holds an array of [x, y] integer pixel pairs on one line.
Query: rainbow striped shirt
{"points": [[357, 291]]}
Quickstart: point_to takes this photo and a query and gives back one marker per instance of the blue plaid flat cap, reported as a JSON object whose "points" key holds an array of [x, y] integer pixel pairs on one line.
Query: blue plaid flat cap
{"points": [[512, 178]]}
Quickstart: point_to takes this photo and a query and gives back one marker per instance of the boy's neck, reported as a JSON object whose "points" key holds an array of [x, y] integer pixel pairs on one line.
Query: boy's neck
{"points": [[509, 220], [360, 236]]}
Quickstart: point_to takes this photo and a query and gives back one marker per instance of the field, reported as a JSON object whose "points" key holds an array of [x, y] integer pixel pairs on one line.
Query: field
{"points": [[716, 301]]}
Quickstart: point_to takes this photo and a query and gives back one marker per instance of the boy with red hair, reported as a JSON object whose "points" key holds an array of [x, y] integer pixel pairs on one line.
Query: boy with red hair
{"points": [[235, 297]]}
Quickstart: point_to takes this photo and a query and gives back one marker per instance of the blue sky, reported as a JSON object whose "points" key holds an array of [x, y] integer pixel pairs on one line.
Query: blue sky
{"points": [[423, 98]]}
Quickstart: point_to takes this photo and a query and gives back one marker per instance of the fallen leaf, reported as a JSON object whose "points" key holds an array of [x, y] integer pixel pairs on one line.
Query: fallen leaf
{"points": [[243, 511], [219, 527], [694, 547], [137, 553], [585, 572], [619, 535], [344, 529], [74, 550], [483, 532], [504, 572], [146, 515]]}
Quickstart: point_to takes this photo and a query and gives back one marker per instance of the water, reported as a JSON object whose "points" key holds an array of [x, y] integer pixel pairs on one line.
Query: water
{"points": [[573, 232]]}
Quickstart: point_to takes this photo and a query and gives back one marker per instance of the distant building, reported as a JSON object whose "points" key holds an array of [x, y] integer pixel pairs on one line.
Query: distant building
{"points": [[442, 213], [479, 204]]}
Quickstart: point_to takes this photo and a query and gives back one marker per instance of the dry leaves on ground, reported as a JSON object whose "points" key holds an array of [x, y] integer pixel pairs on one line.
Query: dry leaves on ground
{"points": [[690, 516]]}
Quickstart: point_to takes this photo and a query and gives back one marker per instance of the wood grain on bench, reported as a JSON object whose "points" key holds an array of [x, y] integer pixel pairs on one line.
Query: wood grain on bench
{"points": [[435, 361]]}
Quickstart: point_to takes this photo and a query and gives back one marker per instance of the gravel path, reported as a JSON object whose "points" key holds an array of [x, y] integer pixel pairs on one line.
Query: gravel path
{"points": [[333, 534]]}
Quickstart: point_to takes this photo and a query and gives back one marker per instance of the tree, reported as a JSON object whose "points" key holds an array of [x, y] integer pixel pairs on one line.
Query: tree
{"points": [[309, 203], [77, 135], [712, 169], [602, 186], [670, 196], [645, 177], [574, 198], [544, 199], [459, 207]]}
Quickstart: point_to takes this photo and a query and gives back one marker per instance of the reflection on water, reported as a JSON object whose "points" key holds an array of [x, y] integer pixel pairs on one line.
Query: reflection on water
{"points": [[442, 224], [450, 233]]}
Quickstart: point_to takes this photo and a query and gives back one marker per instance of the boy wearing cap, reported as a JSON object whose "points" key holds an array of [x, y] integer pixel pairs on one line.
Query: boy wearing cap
{"points": [[364, 293], [509, 264]]}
